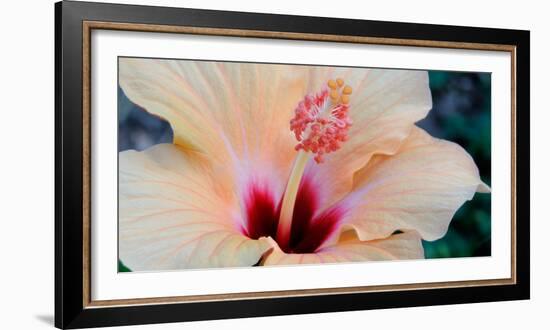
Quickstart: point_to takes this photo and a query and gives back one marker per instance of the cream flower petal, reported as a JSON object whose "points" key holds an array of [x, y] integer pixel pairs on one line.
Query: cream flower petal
{"points": [[235, 113], [175, 214], [419, 188], [239, 113], [402, 246], [384, 106]]}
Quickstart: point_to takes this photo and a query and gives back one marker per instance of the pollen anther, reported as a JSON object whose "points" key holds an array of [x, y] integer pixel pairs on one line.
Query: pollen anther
{"points": [[345, 99], [321, 120]]}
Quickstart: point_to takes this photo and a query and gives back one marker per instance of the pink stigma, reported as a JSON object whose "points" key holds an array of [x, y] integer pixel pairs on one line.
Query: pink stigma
{"points": [[321, 120]]}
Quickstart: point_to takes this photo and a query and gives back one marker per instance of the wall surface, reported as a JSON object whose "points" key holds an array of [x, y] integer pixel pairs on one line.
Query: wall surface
{"points": [[26, 163]]}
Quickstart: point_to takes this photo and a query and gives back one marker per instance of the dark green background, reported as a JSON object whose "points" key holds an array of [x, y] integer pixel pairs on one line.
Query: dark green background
{"points": [[461, 113]]}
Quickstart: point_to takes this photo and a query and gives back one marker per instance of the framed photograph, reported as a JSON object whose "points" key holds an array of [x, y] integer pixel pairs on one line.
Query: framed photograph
{"points": [[214, 164]]}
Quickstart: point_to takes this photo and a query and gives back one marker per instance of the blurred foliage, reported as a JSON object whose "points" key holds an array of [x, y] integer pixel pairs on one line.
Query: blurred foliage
{"points": [[461, 113], [138, 129], [122, 268]]}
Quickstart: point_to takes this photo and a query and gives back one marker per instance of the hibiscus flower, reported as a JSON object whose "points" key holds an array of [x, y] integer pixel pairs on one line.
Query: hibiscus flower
{"points": [[284, 164]]}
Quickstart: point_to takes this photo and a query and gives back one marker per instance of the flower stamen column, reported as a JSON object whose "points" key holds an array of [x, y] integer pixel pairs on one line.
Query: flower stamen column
{"points": [[320, 125]]}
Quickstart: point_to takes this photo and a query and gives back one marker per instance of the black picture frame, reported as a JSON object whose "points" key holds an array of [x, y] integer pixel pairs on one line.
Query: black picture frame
{"points": [[71, 310]]}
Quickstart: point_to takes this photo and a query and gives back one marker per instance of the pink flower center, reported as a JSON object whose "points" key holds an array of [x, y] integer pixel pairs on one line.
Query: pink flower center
{"points": [[320, 125]]}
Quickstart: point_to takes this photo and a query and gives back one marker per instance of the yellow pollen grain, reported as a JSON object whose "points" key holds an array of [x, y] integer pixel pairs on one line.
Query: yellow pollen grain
{"points": [[347, 90], [340, 82], [345, 99], [334, 95], [332, 84]]}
